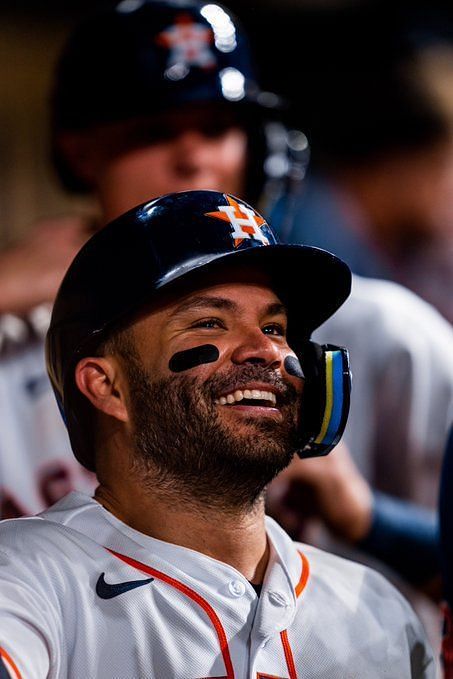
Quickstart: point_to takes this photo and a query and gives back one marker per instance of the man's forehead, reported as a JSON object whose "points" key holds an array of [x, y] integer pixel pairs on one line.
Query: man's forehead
{"points": [[230, 298]]}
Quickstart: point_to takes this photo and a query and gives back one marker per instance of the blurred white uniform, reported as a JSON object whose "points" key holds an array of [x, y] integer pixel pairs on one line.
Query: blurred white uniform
{"points": [[37, 466], [84, 595], [401, 353]]}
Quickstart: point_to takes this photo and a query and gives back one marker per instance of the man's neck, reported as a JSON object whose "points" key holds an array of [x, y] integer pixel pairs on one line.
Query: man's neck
{"points": [[235, 537]]}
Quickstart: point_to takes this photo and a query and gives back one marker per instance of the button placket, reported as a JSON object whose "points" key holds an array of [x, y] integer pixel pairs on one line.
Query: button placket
{"points": [[236, 588], [278, 599]]}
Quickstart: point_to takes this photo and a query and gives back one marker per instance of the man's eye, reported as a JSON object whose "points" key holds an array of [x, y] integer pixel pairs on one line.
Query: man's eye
{"points": [[208, 323], [274, 329]]}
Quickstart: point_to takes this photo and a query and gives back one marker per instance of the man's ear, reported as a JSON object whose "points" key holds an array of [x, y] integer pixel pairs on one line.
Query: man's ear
{"points": [[101, 381]]}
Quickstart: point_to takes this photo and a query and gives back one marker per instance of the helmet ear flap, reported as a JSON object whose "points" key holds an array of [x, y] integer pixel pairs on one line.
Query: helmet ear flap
{"points": [[326, 397]]}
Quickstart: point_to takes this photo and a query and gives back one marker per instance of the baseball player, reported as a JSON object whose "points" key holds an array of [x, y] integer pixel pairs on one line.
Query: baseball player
{"points": [[181, 361]]}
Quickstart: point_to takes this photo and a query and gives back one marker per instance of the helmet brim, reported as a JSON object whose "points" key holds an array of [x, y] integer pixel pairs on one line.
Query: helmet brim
{"points": [[312, 283]]}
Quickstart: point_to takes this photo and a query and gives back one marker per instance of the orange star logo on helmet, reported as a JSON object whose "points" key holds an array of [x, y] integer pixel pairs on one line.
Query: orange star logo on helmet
{"points": [[246, 222], [188, 43]]}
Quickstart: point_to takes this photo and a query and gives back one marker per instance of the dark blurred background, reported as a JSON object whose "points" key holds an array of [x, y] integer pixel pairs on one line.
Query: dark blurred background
{"points": [[330, 58]]}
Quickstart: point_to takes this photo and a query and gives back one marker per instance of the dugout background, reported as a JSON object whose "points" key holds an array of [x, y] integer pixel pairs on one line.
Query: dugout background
{"points": [[298, 43]]}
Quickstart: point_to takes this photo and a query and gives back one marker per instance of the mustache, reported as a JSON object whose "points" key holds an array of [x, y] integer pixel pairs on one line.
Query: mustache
{"points": [[241, 376]]}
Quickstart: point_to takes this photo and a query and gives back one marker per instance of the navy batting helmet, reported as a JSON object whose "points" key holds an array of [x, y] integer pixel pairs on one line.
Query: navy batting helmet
{"points": [[147, 57], [124, 267]]}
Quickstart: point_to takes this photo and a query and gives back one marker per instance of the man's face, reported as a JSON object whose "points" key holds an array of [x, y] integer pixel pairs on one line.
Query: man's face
{"points": [[195, 148], [222, 429]]}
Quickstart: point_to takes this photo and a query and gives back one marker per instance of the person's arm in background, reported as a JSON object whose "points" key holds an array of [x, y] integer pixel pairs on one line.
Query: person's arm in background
{"points": [[398, 533], [405, 537], [31, 270]]}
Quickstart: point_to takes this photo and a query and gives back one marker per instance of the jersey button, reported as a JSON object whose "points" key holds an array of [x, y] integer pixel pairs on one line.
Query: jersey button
{"points": [[237, 588], [278, 599]]}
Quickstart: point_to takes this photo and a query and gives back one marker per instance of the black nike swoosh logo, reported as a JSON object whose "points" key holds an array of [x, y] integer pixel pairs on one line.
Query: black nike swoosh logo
{"points": [[107, 591]]}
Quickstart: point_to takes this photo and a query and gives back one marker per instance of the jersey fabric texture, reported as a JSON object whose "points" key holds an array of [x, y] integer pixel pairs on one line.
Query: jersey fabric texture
{"points": [[84, 595]]}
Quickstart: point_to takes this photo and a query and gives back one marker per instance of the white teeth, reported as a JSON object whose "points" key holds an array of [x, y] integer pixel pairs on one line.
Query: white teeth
{"points": [[239, 395]]}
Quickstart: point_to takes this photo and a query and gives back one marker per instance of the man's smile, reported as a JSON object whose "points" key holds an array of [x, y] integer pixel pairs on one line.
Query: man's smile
{"points": [[251, 399], [244, 396]]}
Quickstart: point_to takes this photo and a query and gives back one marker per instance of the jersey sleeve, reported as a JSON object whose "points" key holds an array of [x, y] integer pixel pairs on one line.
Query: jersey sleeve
{"points": [[29, 632], [23, 653]]}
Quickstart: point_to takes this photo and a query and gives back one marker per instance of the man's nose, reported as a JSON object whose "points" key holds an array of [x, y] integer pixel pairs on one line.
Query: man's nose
{"points": [[194, 144], [257, 348], [195, 152]]}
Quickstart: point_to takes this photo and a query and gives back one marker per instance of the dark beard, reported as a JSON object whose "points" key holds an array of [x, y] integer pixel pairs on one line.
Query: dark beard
{"points": [[183, 448]]}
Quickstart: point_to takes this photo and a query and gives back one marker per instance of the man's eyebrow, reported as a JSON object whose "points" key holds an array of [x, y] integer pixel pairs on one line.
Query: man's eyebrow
{"points": [[205, 302], [276, 308], [223, 304]]}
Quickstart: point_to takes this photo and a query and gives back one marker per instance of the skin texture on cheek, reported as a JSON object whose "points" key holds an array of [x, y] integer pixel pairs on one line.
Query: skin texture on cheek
{"points": [[293, 367], [190, 358]]}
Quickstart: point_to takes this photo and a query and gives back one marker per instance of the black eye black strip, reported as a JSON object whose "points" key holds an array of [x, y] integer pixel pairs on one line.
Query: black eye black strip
{"points": [[293, 367], [190, 358]]}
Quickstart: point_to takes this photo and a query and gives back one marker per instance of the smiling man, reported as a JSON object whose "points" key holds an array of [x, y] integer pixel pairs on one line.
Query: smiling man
{"points": [[179, 353]]}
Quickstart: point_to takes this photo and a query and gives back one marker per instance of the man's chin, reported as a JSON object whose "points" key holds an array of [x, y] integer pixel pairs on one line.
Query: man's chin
{"points": [[257, 442]]}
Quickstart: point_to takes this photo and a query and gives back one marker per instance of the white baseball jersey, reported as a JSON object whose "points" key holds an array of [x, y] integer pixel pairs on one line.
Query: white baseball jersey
{"points": [[84, 595], [37, 466]]}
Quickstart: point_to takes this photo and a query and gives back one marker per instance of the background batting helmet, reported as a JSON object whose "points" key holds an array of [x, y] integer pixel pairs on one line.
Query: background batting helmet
{"points": [[140, 59]]}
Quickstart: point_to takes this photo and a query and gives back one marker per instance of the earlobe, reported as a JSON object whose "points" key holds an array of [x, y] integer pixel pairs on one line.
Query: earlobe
{"points": [[99, 380]]}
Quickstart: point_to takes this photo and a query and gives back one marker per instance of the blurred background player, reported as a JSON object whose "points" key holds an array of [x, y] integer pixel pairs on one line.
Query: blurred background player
{"points": [[376, 103]]}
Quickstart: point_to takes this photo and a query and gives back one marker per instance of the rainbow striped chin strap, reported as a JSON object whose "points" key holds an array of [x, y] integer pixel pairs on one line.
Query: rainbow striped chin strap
{"points": [[325, 406]]}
